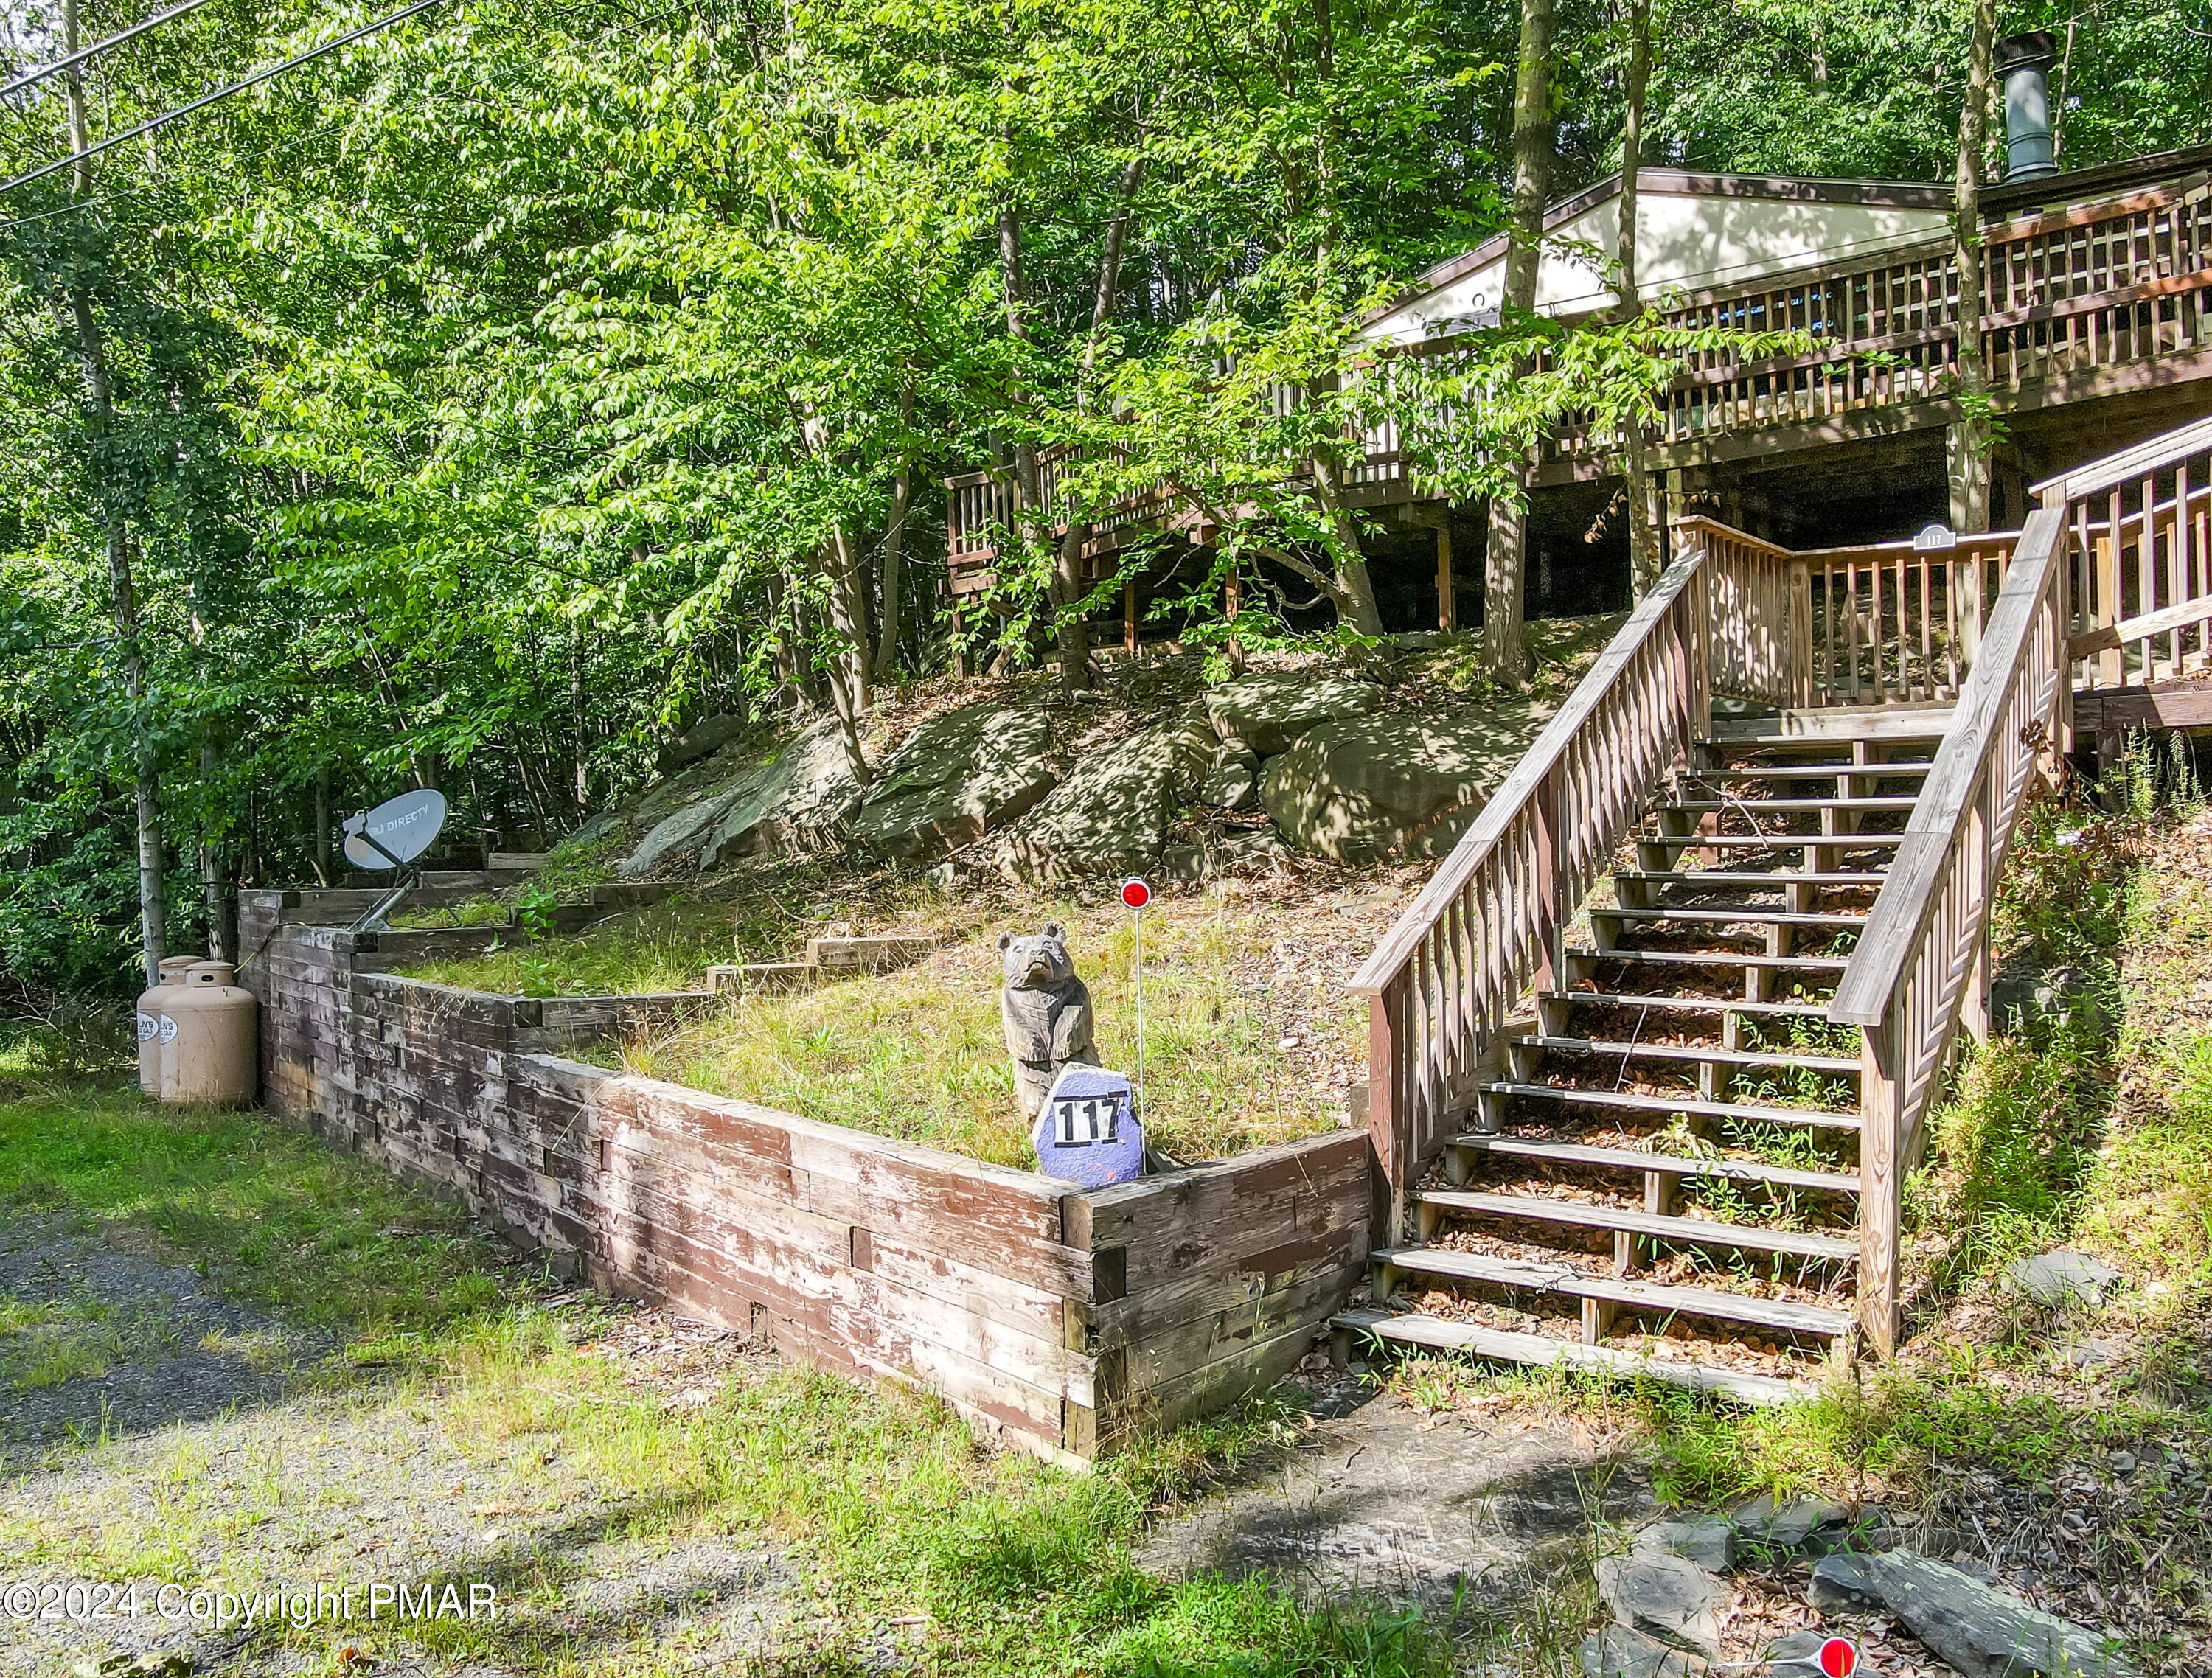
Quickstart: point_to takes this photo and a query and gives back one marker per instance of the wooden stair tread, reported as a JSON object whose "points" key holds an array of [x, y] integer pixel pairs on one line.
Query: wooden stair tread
{"points": [[1669, 1103], [1831, 725], [1687, 1051], [1797, 1243], [1632, 1159], [1786, 1313], [1724, 914], [1795, 806], [1499, 1346], [1704, 1005], [1810, 771], [1754, 878], [1840, 841], [1717, 958]]}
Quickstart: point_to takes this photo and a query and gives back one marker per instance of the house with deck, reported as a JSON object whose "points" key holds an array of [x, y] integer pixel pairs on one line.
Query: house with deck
{"points": [[1652, 1052]]}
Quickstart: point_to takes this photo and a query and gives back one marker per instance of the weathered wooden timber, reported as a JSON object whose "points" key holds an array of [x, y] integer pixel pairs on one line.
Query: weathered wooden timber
{"points": [[1059, 1319]]}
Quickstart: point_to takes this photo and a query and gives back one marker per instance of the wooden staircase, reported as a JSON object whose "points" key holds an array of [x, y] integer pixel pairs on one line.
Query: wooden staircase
{"points": [[1663, 1175]]}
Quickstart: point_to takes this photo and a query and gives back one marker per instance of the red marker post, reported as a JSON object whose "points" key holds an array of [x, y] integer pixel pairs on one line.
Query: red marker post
{"points": [[1135, 894], [1839, 1658]]}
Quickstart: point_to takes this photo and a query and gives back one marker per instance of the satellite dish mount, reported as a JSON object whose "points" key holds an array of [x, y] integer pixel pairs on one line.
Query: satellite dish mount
{"points": [[394, 836]]}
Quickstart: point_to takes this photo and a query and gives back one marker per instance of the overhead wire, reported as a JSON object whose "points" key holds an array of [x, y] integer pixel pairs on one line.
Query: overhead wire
{"points": [[32, 77], [220, 93]]}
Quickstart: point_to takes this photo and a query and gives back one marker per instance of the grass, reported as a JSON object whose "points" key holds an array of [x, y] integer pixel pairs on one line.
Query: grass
{"points": [[879, 1501], [920, 1054]]}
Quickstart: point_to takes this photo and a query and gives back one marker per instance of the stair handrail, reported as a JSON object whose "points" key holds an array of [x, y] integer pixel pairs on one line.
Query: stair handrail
{"points": [[1490, 921], [1922, 957]]}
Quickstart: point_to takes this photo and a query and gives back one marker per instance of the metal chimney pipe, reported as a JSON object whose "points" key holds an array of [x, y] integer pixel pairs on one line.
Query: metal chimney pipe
{"points": [[2023, 63]]}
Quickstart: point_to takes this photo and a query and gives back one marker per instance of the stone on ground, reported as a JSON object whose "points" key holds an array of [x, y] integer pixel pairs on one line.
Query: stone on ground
{"points": [[2061, 1277], [1843, 1583], [1707, 1539], [1784, 1526], [1662, 1596], [1360, 789], [1615, 1652], [957, 776], [1981, 1630], [1265, 713], [1112, 812]]}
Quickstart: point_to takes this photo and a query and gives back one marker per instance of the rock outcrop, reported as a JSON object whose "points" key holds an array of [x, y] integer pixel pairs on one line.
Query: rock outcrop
{"points": [[957, 776], [1112, 813], [1362, 789], [796, 798], [1265, 713]]}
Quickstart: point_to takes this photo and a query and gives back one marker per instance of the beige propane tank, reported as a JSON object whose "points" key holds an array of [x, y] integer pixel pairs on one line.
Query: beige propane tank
{"points": [[210, 1048], [150, 1003]]}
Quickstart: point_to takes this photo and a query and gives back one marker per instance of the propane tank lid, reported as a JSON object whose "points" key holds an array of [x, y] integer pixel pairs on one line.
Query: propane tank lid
{"points": [[210, 973], [173, 968]]}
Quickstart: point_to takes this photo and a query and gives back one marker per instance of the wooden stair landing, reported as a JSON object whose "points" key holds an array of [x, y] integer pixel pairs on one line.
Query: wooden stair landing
{"points": [[1645, 1097]]}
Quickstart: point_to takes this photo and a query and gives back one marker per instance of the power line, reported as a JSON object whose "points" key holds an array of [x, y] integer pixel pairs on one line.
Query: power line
{"points": [[206, 99], [78, 57]]}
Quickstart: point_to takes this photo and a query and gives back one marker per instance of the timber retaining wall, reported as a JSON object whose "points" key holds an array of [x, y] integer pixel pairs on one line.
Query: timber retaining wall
{"points": [[1056, 1317]]}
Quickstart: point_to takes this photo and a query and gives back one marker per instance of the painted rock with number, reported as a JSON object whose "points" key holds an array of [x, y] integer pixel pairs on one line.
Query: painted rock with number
{"points": [[1089, 1132]]}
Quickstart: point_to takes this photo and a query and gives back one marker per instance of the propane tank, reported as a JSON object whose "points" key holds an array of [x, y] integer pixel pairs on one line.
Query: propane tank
{"points": [[211, 1055], [150, 1005]]}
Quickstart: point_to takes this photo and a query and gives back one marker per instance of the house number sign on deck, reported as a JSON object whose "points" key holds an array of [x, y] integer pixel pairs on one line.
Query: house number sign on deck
{"points": [[1089, 1132]]}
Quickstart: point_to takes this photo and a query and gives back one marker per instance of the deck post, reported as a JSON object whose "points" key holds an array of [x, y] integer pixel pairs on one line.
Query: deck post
{"points": [[1880, 1085], [1385, 1085], [1447, 595], [1129, 616]]}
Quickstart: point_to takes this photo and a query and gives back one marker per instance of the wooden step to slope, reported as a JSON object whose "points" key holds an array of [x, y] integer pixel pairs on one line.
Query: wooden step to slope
{"points": [[1653, 1226], [1657, 1003], [1689, 1105], [1661, 1164], [1830, 725], [1903, 766], [1751, 879], [1772, 841], [1729, 914], [1714, 1303], [1498, 1345], [1716, 1053], [1743, 958], [1870, 806]]}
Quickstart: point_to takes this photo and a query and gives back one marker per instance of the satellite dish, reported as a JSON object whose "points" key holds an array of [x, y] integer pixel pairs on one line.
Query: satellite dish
{"points": [[397, 831]]}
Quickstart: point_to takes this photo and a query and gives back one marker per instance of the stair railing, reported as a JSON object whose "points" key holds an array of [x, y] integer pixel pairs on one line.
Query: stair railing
{"points": [[1922, 960], [1490, 921]]}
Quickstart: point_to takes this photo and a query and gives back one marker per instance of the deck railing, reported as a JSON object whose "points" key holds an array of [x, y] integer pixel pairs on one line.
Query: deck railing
{"points": [[2080, 291], [1879, 623], [1922, 960], [1489, 923], [2142, 561]]}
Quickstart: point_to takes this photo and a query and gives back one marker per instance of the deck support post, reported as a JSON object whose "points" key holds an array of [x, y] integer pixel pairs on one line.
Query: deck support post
{"points": [[1129, 616], [1880, 1081], [1447, 593]]}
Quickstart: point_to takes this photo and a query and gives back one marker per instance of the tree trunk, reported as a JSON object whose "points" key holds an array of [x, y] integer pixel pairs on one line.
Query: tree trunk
{"points": [[892, 579], [1646, 556], [323, 823], [1356, 588], [1505, 647], [1967, 441], [91, 349], [849, 664]]}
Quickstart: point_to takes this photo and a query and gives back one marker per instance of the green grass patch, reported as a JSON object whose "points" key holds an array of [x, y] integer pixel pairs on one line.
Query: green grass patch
{"points": [[269, 1217], [880, 1502], [920, 1054]]}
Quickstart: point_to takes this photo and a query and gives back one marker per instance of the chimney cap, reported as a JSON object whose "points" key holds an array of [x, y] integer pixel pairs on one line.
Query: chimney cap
{"points": [[2036, 48]]}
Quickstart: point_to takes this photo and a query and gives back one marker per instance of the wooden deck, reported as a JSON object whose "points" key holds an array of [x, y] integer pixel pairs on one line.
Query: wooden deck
{"points": [[2103, 297]]}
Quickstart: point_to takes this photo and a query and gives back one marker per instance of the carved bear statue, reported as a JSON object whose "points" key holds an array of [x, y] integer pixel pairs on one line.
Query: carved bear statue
{"points": [[1047, 1013]]}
